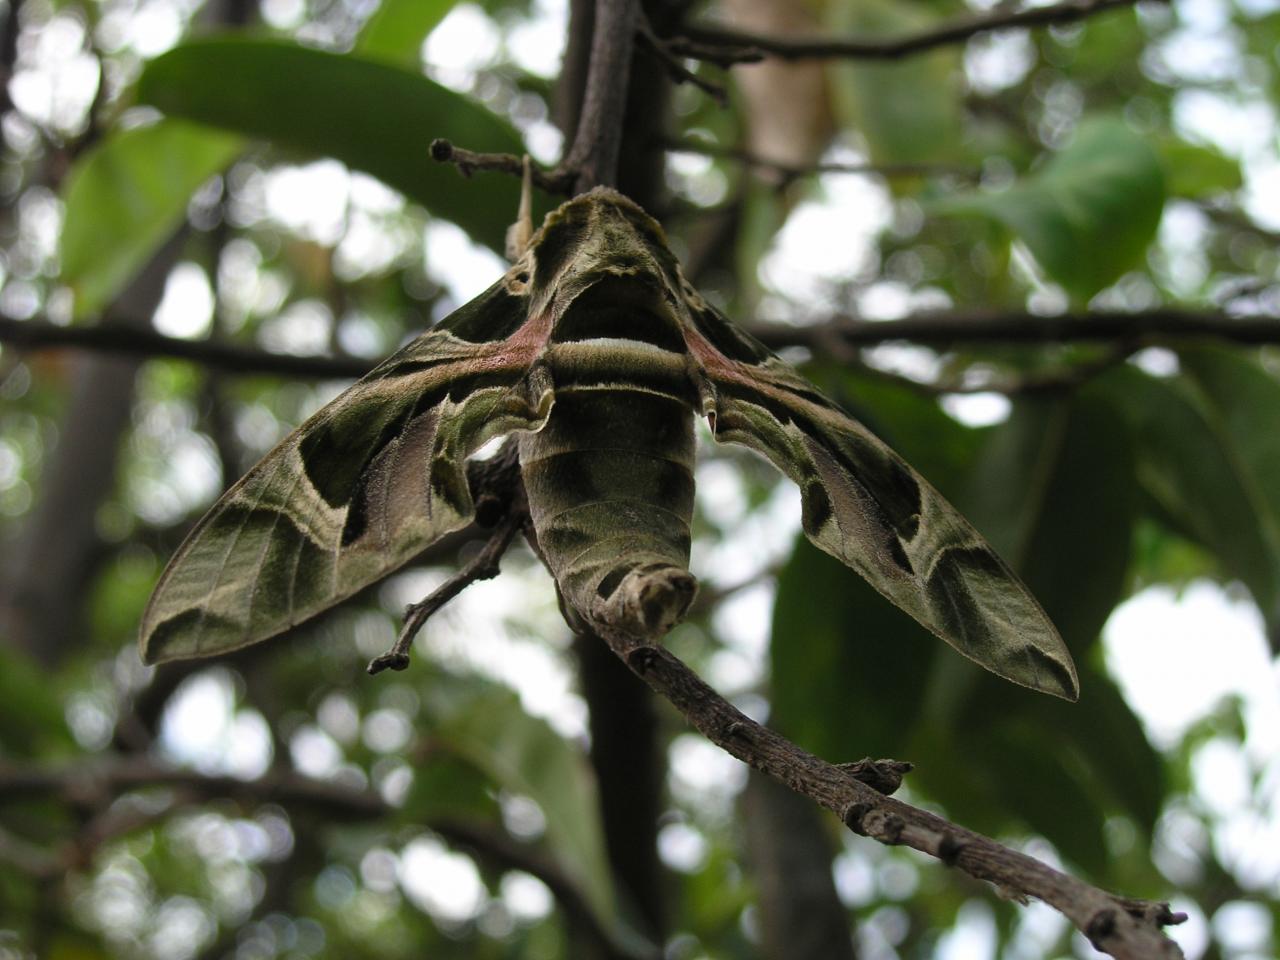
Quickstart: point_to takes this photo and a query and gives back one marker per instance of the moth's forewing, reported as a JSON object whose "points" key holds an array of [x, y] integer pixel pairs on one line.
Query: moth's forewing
{"points": [[363, 486], [864, 505]]}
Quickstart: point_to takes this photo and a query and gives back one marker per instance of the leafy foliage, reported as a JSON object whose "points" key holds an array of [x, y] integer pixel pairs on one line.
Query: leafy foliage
{"points": [[1099, 148]]}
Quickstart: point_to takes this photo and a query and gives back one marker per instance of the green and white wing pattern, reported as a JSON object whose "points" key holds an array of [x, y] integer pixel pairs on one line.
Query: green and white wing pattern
{"points": [[865, 506], [358, 490]]}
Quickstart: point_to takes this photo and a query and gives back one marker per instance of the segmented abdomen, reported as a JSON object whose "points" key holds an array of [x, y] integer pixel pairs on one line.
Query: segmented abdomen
{"points": [[610, 487]]}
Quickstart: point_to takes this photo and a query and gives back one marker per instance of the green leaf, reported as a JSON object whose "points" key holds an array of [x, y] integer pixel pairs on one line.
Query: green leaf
{"points": [[32, 720], [1047, 793], [1243, 399], [486, 724], [849, 669], [126, 196], [1195, 171], [395, 32], [1191, 464], [907, 112], [1088, 215], [371, 116]]}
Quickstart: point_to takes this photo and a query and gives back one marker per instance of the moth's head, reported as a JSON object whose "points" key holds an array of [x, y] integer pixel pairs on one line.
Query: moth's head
{"points": [[600, 237]]}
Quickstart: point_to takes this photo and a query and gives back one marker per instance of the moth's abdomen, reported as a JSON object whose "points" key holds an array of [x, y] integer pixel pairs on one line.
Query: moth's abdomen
{"points": [[610, 487]]}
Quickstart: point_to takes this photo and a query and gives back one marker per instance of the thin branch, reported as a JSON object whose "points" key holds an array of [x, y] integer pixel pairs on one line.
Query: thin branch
{"points": [[483, 566], [1125, 928], [594, 154], [94, 784], [747, 158], [558, 181], [138, 341], [727, 46], [1159, 325], [1063, 379], [679, 72]]}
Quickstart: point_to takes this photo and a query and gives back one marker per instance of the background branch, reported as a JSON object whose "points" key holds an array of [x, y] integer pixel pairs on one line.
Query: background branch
{"points": [[727, 46], [747, 158], [100, 783], [1159, 325]]}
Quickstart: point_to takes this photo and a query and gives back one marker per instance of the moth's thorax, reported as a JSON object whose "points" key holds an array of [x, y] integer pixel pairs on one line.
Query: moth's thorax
{"points": [[613, 305]]}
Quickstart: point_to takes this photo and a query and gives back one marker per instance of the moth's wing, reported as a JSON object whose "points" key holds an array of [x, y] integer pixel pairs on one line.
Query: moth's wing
{"points": [[358, 490], [864, 505]]}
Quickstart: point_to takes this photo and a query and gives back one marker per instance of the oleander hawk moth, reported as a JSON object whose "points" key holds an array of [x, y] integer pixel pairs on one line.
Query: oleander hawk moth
{"points": [[596, 351]]}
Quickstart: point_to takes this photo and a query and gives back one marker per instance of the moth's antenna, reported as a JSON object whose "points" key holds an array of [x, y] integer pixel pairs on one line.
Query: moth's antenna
{"points": [[520, 232]]}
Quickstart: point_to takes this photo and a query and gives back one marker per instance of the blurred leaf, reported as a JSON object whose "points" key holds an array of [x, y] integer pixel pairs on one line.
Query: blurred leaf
{"points": [[31, 711], [371, 116], [1243, 400], [909, 111], [1195, 171], [448, 787], [1088, 215], [1042, 790], [1189, 464], [118, 596], [126, 196], [1055, 493], [1098, 740], [397, 29], [848, 668], [1106, 736], [486, 724]]}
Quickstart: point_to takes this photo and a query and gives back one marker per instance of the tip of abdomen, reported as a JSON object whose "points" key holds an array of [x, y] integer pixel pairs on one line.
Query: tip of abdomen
{"points": [[650, 599]]}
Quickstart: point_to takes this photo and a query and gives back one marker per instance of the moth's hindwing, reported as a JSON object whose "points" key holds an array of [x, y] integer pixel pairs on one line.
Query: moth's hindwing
{"points": [[361, 488], [865, 506]]}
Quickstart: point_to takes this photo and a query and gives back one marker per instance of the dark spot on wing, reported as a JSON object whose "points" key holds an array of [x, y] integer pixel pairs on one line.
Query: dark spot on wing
{"points": [[449, 484], [899, 556], [559, 243], [494, 315], [948, 592], [621, 307], [880, 472], [336, 452], [815, 507], [727, 338]]}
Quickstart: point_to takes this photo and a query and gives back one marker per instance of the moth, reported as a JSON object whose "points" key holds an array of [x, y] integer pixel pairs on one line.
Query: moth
{"points": [[595, 350]]}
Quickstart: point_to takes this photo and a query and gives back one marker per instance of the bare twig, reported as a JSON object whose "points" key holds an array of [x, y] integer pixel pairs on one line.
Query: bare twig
{"points": [[747, 158], [594, 154], [679, 72], [483, 566], [139, 341], [1125, 928], [1159, 325], [558, 181], [93, 784], [727, 46], [1065, 378]]}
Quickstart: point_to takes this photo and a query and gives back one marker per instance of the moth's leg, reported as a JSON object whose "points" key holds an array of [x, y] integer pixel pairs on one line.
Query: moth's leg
{"points": [[520, 232]]}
